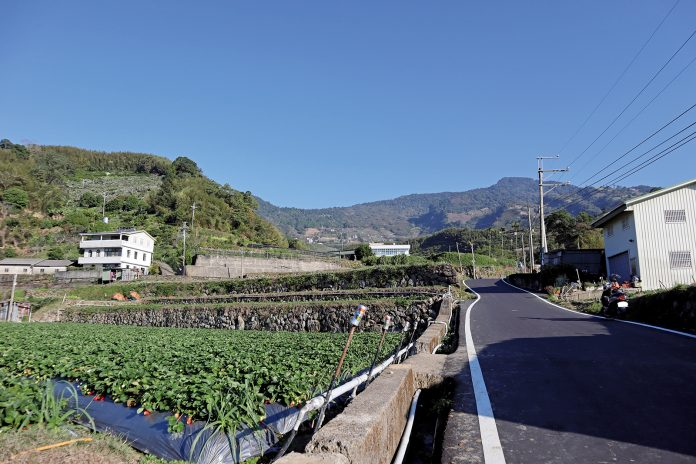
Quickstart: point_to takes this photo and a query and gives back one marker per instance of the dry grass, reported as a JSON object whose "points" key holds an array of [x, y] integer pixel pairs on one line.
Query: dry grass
{"points": [[19, 447]]}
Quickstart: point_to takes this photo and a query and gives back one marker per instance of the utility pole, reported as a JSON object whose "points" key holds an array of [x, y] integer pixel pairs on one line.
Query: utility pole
{"points": [[502, 233], [193, 214], [542, 225], [184, 228], [531, 242], [490, 243], [461, 269], [10, 307], [104, 206], [473, 258], [524, 254]]}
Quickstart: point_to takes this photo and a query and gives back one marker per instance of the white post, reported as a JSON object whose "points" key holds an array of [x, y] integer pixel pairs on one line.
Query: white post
{"points": [[461, 269], [10, 308], [473, 258]]}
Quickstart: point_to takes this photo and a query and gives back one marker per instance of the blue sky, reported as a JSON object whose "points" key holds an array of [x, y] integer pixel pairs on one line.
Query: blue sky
{"points": [[317, 104]]}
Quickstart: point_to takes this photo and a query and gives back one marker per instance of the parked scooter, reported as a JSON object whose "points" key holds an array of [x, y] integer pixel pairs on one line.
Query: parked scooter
{"points": [[614, 300]]}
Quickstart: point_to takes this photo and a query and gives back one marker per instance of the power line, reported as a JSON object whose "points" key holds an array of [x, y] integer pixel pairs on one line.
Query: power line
{"points": [[618, 79], [657, 157], [570, 195], [640, 92], [611, 182], [639, 144], [622, 175], [635, 117]]}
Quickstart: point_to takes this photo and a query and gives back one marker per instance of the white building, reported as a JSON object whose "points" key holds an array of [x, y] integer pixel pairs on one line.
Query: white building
{"points": [[381, 249], [33, 266], [653, 237], [123, 249]]}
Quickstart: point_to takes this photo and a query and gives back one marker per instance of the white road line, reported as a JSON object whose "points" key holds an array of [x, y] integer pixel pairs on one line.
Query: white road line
{"points": [[492, 449], [676, 332]]}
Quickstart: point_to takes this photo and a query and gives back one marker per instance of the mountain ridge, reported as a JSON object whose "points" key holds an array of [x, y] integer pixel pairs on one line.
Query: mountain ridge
{"points": [[409, 216]]}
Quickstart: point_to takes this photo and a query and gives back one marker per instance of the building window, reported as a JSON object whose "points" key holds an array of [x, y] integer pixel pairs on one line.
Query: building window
{"points": [[41, 271], [680, 259], [675, 216], [135, 255], [610, 230], [24, 270], [89, 253], [145, 257], [624, 223], [7, 269], [127, 253]]}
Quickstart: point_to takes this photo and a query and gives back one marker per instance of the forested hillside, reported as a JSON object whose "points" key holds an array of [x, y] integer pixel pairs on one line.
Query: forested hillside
{"points": [[563, 231], [499, 205], [50, 194]]}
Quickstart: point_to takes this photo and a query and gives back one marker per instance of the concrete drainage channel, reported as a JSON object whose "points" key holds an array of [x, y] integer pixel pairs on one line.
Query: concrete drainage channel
{"points": [[372, 427]]}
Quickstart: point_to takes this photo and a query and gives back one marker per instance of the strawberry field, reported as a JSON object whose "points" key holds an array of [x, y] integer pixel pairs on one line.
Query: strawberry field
{"points": [[216, 375]]}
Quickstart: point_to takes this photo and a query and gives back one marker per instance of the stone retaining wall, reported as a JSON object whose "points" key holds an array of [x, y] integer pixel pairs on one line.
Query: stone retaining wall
{"points": [[309, 317], [419, 292], [226, 267]]}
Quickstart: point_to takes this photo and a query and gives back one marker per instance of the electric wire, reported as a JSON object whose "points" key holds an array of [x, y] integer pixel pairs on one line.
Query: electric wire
{"points": [[604, 168], [618, 79], [640, 92], [635, 117], [622, 175], [647, 163]]}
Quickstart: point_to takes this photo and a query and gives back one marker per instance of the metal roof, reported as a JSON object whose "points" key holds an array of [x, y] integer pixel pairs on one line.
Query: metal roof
{"points": [[622, 207], [36, 262], [119, 232], [21, 261], [55, 263]]}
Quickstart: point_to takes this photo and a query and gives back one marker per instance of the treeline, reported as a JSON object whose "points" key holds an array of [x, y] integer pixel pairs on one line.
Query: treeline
{"points": [[38, 215], [563, 230]]}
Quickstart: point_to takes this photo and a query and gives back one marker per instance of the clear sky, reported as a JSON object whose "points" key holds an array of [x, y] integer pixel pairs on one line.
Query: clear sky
{"points": [[321, 103]]}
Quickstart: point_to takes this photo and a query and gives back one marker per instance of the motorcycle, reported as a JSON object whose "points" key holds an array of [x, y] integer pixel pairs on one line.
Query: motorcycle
{"points": [[614, 299]]}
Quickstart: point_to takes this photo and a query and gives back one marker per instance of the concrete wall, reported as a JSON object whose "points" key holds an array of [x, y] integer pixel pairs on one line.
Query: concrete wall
{"points": [[238, 266], [370, 428]]}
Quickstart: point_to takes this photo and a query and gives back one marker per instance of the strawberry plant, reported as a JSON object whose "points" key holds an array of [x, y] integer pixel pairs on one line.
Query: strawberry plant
{"points": [[188, 371]]}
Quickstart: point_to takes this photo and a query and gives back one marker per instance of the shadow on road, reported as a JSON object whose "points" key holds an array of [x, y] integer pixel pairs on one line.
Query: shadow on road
{"points": [[561, 382]]}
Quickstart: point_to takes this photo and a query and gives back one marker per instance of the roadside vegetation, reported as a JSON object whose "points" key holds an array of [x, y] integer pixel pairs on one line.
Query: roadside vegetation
{"points": [[194, 373], [49, 194], [363, 278], [673, 309]]}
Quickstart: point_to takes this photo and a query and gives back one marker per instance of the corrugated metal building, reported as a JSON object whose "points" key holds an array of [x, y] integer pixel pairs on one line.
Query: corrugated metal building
{"points": [[653, 236]]}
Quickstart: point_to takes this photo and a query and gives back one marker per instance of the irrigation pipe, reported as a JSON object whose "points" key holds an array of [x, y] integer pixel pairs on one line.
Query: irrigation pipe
{"points": [[406, 437], [319, 401]]}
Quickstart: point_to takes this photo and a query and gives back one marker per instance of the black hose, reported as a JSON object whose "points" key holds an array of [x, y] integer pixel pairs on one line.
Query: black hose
{"points": [[285, 447]]}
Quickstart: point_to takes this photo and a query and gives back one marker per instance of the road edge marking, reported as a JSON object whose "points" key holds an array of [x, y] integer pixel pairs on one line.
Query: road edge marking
{"points": [[490, 440], [642, 324]]}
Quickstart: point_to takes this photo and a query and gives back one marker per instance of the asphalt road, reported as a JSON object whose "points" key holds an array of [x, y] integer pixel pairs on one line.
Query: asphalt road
{"points": [[569, 388]]}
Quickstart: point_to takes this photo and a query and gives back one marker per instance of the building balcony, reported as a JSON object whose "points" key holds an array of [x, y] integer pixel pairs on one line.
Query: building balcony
{"points": [[103, 243], [100, 260]]}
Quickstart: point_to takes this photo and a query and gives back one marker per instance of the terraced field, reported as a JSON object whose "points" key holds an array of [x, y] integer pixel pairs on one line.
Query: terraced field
{"points": [[192, 372]]}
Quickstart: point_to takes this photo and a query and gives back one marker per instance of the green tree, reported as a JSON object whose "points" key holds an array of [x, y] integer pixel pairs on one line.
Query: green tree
{"points": [[184, 166], [55, 253], [90, 200], [560, 227], [15, 196], [363, 251]]}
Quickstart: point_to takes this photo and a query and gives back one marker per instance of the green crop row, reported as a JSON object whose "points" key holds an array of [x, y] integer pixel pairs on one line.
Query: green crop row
{"points": [[194, 372]]}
